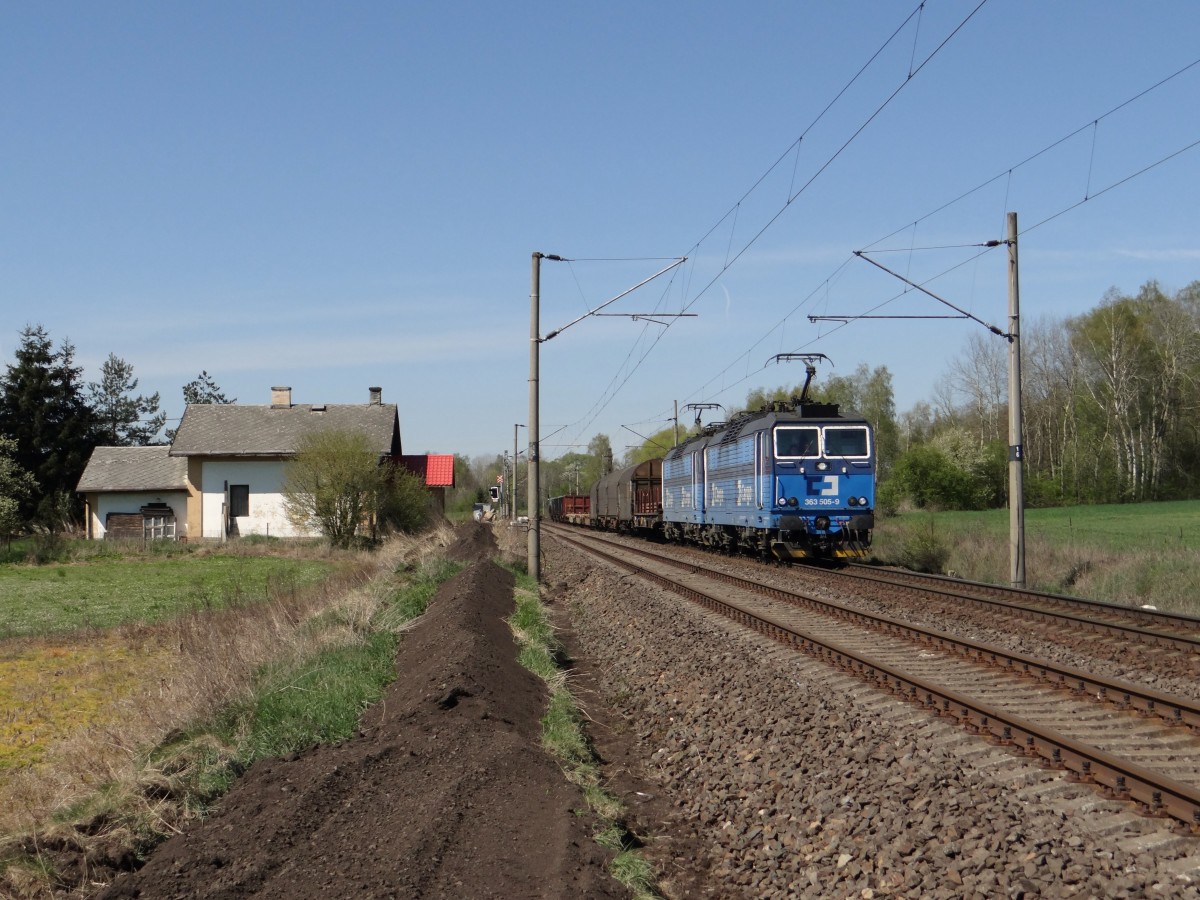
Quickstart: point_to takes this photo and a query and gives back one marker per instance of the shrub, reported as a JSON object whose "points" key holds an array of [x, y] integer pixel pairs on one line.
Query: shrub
{"points": [[922, 549]]}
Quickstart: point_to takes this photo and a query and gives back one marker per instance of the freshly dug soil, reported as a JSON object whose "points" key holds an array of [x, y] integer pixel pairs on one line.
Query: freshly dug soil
{"points": [[444, 792]]}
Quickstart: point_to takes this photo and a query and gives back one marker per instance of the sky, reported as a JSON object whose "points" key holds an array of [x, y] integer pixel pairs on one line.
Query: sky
{"points": [[334, 196]]}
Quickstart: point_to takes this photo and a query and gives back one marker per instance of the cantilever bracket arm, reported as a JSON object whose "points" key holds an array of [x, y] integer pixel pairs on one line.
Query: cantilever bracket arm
{"points": [[992, 328], [592, 312]]}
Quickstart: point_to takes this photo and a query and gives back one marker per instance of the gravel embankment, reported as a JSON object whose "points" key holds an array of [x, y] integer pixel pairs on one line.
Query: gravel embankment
{"points": [[786, 778]]}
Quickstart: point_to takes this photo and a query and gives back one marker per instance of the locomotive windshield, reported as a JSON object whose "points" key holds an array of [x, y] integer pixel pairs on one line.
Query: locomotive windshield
{"points": [[808, 442], [846, 441], [796, 442]]}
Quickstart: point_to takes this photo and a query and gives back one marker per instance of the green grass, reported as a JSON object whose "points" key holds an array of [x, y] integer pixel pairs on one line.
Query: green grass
{"points": [[1113, 527], [37, 600], [564, 737], [321, 698], [420, 586], [1133, 554], [47, 548], [319, 701]]}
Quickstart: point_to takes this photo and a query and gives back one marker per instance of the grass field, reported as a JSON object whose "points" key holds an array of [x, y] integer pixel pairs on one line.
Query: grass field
{"points": [[1148, 527], [1146, 553], [57, 687], [213, 658], [61, 673], [38, 600]]}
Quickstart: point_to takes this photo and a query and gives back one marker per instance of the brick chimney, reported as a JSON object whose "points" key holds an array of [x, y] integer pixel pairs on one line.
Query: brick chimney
{"points": [[281, 398], [376, 396]]}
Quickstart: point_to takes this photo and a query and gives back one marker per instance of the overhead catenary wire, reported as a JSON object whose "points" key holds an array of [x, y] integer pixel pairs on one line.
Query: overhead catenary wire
{"points": [[1007, 173], [608, 396], [692, 298], [840, 150]]}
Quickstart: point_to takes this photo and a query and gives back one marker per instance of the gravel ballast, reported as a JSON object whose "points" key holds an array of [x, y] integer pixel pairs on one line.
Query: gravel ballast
{"points": [[783, 777]]}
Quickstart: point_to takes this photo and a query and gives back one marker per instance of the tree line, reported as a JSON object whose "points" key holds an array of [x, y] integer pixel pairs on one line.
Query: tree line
{"points": [[51, 419], [1109, 402]]}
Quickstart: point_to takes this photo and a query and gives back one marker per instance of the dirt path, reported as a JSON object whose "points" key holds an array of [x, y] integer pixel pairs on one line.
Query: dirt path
{"points": [[444, 792]]}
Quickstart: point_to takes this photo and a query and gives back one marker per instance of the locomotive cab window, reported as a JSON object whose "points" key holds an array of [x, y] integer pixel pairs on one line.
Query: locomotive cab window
{"points": [[793, 443], [845, 442]]}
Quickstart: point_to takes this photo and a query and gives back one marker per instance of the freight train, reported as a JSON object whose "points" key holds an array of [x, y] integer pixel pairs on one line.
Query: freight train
{"points": [[793, 480], [629, 500]]}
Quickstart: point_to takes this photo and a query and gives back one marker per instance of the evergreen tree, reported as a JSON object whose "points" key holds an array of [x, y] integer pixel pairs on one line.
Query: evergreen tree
{"points": [[43, 409], [204, 390], [123, 420], [201, 389]]}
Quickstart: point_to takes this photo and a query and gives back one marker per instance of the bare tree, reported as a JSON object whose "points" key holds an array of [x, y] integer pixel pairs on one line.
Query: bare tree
{"points": [[980, 377]]}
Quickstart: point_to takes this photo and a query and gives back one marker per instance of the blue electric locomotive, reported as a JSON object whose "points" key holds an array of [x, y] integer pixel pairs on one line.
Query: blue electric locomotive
{"points": [[794, 480]]}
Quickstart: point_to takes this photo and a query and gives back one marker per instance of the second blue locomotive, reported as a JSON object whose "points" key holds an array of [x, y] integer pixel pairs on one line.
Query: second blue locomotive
{"points": [[794, 480]]}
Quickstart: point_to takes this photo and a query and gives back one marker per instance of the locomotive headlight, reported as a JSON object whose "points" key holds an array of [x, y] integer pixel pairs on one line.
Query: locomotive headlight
{"points": [[792, 501], [853, 501], [862, 501], [822, 466], [782, 501]]}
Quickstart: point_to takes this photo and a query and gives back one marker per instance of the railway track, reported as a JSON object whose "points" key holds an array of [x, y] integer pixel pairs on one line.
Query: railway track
{"points": [[1132, 742], [1161, 649], [1140, 624]]}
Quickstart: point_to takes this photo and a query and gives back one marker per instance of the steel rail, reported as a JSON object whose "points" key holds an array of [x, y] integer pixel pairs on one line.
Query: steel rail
{"points": [[1157, 794], [953, 587], [1170, 708]]}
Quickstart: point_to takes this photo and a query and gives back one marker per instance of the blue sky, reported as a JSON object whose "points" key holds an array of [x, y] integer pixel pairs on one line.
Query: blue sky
{"points": [[334, 196]]}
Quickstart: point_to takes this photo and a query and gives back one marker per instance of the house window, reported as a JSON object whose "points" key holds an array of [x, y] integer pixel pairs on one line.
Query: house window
{"points": [[158, 527], [239, 500]]}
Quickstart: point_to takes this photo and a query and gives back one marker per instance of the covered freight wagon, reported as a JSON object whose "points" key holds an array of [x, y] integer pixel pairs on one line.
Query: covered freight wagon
{"points": [[629, 500]]}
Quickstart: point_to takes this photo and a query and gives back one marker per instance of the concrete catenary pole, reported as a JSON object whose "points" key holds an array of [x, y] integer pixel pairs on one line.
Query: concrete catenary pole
{"points": [[1016, 450], [535, 549]]}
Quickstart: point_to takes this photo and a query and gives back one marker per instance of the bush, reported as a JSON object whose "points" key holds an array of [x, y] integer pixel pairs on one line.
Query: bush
{"points": [[404, 505], [888, 498], [932, 480], [922, 549]]}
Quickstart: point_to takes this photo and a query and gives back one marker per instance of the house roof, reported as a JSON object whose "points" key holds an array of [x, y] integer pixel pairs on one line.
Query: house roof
{"points": [[133, 469], [231, 429], [437, 470]]}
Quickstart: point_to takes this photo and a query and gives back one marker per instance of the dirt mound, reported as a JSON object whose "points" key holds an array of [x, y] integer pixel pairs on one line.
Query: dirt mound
{"points": [[444, 792], [472, 542]]}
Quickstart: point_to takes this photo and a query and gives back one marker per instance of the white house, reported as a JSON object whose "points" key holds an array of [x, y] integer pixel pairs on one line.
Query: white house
{"points": [[235, 455], [223, 475], [134, 492]]}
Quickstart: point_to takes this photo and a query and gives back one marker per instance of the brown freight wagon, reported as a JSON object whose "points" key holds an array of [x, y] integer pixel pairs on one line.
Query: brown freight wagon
{"points": [[629, 500], [574, 509]]}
